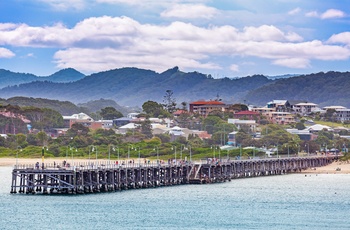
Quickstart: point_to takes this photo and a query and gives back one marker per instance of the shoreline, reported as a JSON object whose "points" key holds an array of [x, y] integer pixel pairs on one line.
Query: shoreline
{"points": [[333, 168]]}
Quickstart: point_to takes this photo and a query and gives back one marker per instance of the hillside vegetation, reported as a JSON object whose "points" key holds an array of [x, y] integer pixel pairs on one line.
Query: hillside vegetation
{"points": [[65, 108], [331, 88]]}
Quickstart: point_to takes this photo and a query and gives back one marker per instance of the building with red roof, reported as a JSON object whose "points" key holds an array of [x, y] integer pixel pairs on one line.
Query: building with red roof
{"points": [[205, 107], [250, 115]]}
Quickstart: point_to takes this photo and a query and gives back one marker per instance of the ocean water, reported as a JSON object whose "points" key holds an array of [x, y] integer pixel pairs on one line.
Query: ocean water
{"points": [[292, 201]]}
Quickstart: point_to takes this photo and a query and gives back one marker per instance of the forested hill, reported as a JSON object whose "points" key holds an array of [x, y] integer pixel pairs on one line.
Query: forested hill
{"points": [[65, 108], [132, 86], [331, 88], [8, 78]]}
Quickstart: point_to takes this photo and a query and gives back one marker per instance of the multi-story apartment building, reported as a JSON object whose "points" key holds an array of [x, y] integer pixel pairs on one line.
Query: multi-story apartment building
{"points": [[282, 118], [263, 110], [279, 105], [205, 107], [342, 115], [251, 115], [304, 108]]}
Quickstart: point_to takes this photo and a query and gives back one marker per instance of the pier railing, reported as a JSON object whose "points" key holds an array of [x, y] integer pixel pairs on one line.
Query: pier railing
{"points": [[103, 176]]}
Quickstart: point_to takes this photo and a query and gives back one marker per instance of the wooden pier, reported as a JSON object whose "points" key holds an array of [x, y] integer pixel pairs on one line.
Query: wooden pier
{"points": [[106, 177]]}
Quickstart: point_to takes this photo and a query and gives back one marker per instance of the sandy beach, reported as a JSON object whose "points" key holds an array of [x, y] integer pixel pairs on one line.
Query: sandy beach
{"points": [[334, 168]]}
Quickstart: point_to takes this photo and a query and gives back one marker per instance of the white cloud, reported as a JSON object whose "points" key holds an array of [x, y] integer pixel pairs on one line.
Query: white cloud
{"points": [[296, 63], [190, 11], [328, 14], [101, 43], [340, 38], [332, 13], [5, 53], [312, 14], [108, 58], [62, 5], [234, 68], [294, 11], [268, 33], [147, 3]]}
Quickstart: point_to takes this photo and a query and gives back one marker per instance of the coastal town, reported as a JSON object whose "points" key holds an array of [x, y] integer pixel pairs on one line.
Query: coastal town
{"points": [[281, 127]]}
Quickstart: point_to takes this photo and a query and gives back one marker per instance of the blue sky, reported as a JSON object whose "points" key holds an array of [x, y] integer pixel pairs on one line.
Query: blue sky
{"points": [[224, 38]]}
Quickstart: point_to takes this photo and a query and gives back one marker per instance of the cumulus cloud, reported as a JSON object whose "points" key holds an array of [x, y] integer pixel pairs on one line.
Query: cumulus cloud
{"points": [[101, 59], [163, 3], [312, 14], [101, 43], [340, 38], [5, 53], [62, 5], [332, 13], [328, 14], [294, 11], [296, 63], [234, 68], [190, 11]]}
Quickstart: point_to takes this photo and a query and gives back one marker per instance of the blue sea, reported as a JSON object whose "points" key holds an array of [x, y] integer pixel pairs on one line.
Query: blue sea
{"points": [[295, 201]]}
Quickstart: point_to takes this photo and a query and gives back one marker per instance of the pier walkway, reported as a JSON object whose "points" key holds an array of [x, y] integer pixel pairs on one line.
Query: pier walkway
{"points": [[108, 177]]}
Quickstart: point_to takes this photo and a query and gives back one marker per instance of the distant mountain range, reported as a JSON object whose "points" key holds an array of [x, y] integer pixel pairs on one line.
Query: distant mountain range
{"points": [[8, 78], [133, 87]]}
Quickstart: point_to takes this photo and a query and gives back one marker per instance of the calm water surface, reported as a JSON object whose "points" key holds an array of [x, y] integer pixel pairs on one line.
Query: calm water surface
{"points": [[275, 202]]}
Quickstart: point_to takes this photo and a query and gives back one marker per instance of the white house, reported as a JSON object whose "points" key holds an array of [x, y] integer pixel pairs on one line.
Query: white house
{"points": [[304, 108], [239, 123]]}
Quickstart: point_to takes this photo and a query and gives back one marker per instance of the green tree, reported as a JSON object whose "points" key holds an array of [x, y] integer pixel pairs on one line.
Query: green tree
{"points": [[153, 109], [31, 139], [275, 135], [110, 113], [184, 105], [169, 101], [300, 126], [210, 122], [77, 129], [52, 119], [42, 137], [43, 118], [165, 138], [21, 140], [146, 128], [242, 138], [2, 141], [329, 115]]}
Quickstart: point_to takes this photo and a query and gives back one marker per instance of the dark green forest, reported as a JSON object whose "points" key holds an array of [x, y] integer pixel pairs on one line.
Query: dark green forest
{"points": [[331, 88]]}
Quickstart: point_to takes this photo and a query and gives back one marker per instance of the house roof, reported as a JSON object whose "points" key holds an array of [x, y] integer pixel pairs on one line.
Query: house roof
{"points": [[318, 127], [334, 107], [207, 103], [128, 126], [237, 121], [247, 113], [306, 104], [123, 119], [179, 112], [281, 102]]}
